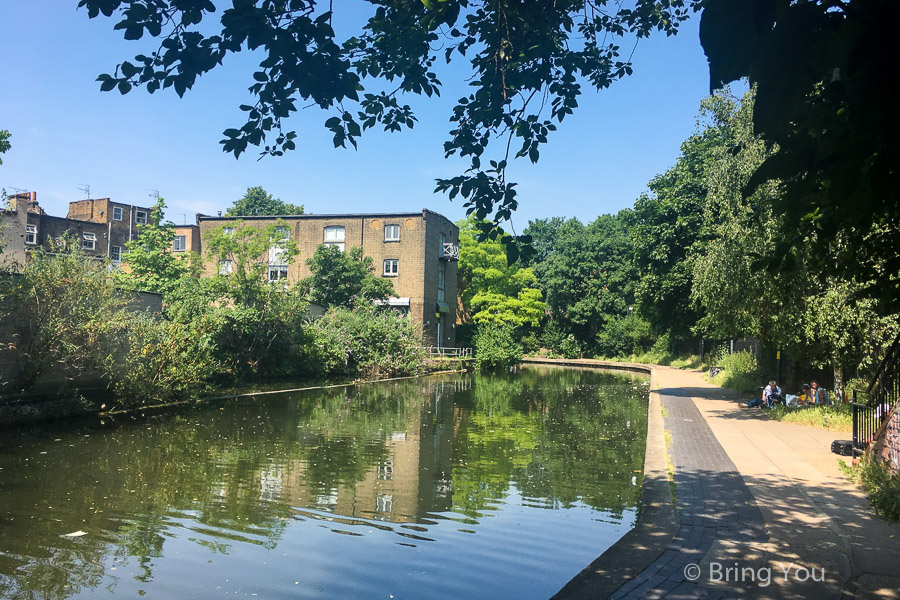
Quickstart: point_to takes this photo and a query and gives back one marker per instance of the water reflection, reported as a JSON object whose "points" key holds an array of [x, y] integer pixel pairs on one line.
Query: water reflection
{"points": [[415, 464]]}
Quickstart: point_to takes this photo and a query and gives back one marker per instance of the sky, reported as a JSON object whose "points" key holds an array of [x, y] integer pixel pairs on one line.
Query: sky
{"points": [[66, 134]]}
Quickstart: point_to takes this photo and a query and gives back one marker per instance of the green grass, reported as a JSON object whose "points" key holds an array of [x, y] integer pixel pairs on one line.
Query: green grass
{"points": [[837, 417]]}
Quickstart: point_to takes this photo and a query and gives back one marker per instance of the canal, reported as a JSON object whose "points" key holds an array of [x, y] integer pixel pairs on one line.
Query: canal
{"points": [[449, 486]]}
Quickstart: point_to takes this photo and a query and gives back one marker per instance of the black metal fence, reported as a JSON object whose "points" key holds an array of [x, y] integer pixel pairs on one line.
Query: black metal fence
{"points": [[871, 411]]}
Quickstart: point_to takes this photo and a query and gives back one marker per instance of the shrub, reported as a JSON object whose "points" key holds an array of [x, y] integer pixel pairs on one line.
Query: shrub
{"points": [[558, 341], [160, 360], [624, 336], [496, 347], [880, 483], [740, 370], [371, 341]]}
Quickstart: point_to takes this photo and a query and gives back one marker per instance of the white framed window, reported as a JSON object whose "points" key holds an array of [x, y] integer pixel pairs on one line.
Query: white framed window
{"points": [[89, 241], [384, 503], [442, 280], [115, 254], [31, 234], [117, 213], [392, 233], [278, 273], [179, 244], [225, 267], [282, 233], [335, 235], [228, 230], [391, 267], [140, 217]]}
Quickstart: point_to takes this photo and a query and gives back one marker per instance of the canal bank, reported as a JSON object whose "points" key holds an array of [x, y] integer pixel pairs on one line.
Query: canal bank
{"points": [[761, 509]]}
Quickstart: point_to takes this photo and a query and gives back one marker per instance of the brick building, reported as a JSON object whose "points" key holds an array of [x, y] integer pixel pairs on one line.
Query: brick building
{"points": [[417, 251], [102, 226]]}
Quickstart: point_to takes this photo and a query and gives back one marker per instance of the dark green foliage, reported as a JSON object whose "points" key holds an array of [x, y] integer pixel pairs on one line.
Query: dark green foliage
{"points": [[259, 202], [589, 278], [343, 278], [819, 70], [496, 346]]}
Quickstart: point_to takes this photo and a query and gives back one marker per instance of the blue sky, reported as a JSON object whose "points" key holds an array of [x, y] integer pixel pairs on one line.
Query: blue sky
{"points": [[66, 133]]}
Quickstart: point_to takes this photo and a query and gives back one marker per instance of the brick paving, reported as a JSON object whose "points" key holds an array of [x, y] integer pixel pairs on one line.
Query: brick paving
{"points": [[717, 510]]}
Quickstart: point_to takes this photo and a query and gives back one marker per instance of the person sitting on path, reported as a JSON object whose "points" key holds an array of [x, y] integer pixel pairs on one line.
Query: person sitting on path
{"points": [[770, 394]]}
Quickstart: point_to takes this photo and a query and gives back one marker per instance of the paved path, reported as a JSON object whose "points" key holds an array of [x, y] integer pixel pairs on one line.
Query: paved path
{"points": [[762, 511]]}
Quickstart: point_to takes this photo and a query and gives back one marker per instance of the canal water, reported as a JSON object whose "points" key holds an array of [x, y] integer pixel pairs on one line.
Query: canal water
{"points": [[457, 486]]}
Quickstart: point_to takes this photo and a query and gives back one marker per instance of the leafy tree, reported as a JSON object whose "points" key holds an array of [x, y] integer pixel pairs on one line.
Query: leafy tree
{"points": [[589, 279], [250, 251], [819, 70], [492, 289], [259, 322], [526, 59], [5, 145], [151, 265], [668, 222], [543, 233], [343, 279], [259, 202]]}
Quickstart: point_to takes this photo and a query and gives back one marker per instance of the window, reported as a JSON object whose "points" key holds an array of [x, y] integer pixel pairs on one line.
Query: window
{"points": [[384, 502], [281, 233], [392, 233], [334, 235], [278, 272], [89, 241], [179, 243], [140, 217], [228, 230], [117, 213], [31, 234], [225, 267], [115, 254], [391, 266], [442, 279]]}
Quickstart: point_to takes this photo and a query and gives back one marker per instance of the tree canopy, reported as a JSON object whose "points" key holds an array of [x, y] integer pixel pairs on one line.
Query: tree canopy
{"points": [[5, 144], [259, 202], [529, 63], [343, 279]]}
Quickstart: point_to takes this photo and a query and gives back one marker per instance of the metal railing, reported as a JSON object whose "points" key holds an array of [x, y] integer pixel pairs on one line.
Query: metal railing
{"points": [[881, 395], [440, 352], [449, 251]]}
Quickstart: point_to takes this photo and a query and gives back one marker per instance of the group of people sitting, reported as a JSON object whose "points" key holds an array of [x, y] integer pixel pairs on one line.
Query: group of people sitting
{"points": [[810, 394]]}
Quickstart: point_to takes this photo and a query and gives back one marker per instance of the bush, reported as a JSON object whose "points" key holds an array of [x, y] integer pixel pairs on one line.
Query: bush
{"points": [[160, 361], [559, 342], [371, 341], [624, 336], [740, 371], [880, 483], [496, 347]]}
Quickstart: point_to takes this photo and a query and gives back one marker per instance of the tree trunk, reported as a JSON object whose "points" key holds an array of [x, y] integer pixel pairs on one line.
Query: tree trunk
{"points": [[838, 384]]}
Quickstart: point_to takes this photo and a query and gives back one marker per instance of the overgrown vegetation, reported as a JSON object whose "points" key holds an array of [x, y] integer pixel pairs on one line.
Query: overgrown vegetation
{"points": [[880, 483], [739, 371], [496, 347], [242, 323]]}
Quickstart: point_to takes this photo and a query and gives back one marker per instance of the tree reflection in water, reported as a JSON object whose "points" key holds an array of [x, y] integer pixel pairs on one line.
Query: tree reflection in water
{"points": [[401, 457]]}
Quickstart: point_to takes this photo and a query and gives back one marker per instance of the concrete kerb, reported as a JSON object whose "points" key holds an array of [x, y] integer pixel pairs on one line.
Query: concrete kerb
{"points": [[658, 520]]}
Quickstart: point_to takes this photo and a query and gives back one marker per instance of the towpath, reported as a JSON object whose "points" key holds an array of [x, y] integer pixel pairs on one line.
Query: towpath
{"points": [[761, 509]]}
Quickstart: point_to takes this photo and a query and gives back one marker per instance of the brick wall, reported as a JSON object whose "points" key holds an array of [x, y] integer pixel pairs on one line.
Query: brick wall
{"points": [[887, 446], [417, 252]]}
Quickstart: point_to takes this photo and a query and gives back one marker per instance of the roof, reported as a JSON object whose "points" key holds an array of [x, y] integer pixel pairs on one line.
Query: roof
{"points": [[422, 213]]}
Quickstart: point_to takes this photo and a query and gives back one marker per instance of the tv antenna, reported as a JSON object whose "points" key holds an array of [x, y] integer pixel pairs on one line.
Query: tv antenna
{"points": [[86, 188], [153, 193]]}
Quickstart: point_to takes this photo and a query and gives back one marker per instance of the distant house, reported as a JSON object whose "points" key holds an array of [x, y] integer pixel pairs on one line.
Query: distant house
{"points": [[416, 250], [100, 225]]}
